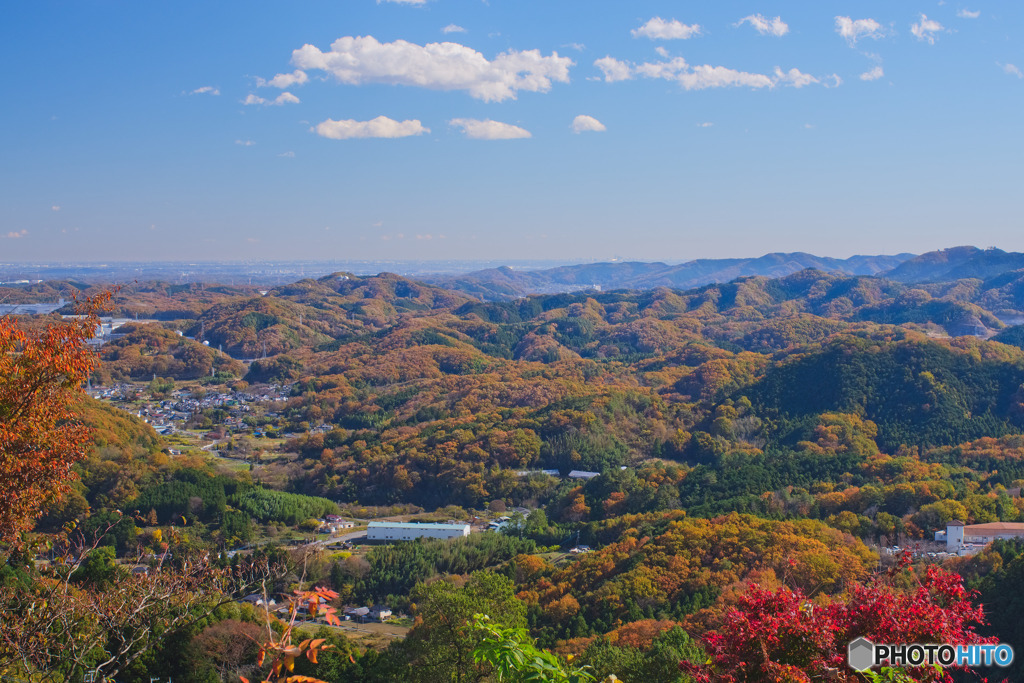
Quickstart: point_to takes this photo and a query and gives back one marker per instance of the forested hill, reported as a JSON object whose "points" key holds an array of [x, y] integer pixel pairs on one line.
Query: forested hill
{"points": [[712, 398], [770, 430], [923, 394], [298, 326], [446, 396]]}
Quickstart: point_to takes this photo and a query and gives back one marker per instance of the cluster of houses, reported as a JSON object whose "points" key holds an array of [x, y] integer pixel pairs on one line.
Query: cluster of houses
{"points": [[116, 392], [367, 614], [362, 615], [186, 403], [163, 415], [332, 524]]}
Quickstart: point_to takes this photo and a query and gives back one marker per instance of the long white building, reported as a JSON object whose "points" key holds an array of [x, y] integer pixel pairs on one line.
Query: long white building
{"points": [[410, 531]]}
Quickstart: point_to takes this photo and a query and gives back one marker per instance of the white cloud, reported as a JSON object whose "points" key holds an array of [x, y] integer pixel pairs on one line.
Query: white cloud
{"points": [[579, 47], [853, 30], [584, 123], [405, 2], [706, 76], [662, 52], [765, 26], [205, 90], [794, 78], [659, 29], [282, 81], [873, 75], [926, 29], [1012, 70], [55, 207], [245, 143], [453, 28], [283, 98], [703, 76], [437, 66], [12, 235], [380, 127], [489, 130], [706, 124], [968, 14], [287, 155], [613, 69]]}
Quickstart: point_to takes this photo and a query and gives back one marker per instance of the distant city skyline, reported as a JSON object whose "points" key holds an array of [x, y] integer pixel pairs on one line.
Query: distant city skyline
{"points": [[508, 130]]}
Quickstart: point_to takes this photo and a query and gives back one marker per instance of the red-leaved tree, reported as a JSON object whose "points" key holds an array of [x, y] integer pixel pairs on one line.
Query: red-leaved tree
{"points": [[779, 635]]}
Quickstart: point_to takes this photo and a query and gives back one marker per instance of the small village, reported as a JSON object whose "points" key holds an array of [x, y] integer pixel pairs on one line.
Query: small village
{"points": [[182, 405]]}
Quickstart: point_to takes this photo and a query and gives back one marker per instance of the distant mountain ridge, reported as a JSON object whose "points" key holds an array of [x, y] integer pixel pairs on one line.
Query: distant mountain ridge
{"points": [[946, 265], [957, 263], [496, 284]]}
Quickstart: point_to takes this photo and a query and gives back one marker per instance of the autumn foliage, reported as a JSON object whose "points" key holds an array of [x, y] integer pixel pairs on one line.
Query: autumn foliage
{"points": [[692, 563], [282, 651], [41, 374], [782, 635]]}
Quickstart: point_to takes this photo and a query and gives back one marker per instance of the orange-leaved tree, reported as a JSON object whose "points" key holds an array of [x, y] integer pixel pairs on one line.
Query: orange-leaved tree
{"points": [[57, 624], [283, 651], [41, 376]]}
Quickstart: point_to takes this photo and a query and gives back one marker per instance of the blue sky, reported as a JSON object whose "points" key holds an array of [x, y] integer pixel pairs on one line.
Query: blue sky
{"points": [[355, 129]]}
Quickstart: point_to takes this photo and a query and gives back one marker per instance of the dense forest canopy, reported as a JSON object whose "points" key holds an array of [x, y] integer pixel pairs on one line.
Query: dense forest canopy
{"points": [[778, 432]]}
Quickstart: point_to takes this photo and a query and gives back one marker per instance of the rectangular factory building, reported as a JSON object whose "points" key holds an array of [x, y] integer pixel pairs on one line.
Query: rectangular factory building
{"points": [[410, 531]]}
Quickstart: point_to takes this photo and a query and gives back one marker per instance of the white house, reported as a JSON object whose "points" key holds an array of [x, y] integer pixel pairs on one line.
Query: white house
{"points": [[410, 531], [964, 538], [380, 612], [339, 522]]}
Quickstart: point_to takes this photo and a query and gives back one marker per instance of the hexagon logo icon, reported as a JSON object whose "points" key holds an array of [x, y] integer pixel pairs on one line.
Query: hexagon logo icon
{"points": [[860, 654]]}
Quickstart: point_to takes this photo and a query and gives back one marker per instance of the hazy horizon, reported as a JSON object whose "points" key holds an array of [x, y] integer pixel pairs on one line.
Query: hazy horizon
{"points": [[511, 262]]}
